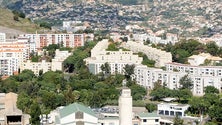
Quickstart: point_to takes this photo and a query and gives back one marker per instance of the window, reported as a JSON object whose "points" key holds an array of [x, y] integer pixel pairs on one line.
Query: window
{"points": [[156, 120], [144, 120]]}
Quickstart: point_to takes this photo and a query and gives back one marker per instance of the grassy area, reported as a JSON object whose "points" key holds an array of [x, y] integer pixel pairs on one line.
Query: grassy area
{"points": [[25, 25]]}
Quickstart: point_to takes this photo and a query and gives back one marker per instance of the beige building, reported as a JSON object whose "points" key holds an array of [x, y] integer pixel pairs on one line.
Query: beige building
{"points": [[196, 60], [159, 56], [56, 63], [9, 113], [116, 59]]}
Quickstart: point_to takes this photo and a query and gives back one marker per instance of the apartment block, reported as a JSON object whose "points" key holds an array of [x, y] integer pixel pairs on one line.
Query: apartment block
{"points": [[195, 70], [116, 59], [159, 56], [65, 40], [12, 54], [55, 64], [146, 77]]}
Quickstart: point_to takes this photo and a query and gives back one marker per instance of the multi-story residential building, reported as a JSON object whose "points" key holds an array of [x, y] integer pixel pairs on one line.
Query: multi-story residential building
{"points": [[195, 70], [146, 77], [170, 109], [116, 59], [159, 56], [8, 66], [12, 54], [36, 67], [2, 37], [55, 64], [170, 38], [65, 40]]}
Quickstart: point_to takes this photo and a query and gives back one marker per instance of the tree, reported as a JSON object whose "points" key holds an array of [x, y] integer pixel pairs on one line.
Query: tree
{"points": [[16, 18], [177, 120], [150, 107], [138, 92], [186, 82], [128, 71], [212, 48], [35, 113], [106, 69], [215, 112], [211, 89]]}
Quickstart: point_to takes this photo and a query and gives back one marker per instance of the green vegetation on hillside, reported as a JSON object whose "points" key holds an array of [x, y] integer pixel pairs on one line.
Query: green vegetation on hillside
{"points": [[17, 21], [185, 48]]}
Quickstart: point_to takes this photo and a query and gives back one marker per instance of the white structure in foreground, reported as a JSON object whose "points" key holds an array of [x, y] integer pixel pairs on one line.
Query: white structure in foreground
{"points": [[159, 56], [74, 114], [116, 59], [170, 109], [149, 118], [125, 107]]}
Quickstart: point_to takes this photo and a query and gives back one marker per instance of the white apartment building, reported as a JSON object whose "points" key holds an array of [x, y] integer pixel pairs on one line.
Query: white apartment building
{"points": [[159, 56], [66, 40], [116, 59], [170, 109], [2, 37], [195, 70], [146, 77], [12, 54], [8, 66], [170, 38], [56, 63]]}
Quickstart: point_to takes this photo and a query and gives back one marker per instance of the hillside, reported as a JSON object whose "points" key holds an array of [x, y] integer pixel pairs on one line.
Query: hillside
{"points": [[23, 24]]}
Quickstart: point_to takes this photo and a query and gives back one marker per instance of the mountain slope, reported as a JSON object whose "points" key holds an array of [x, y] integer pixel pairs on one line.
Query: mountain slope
{"points": [[23, 24]]}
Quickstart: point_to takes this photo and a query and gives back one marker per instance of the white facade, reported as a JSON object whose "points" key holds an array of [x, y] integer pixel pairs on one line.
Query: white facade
{"points": [[146, 77], [36, 66], [125, 107], [12, 54], [170, 109], [8, 66], [68, 24], [2, 37], [116, 59], [56, 63], [149, 119], [195, 70], [196, 60], [159, 56], [170, 38]]}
